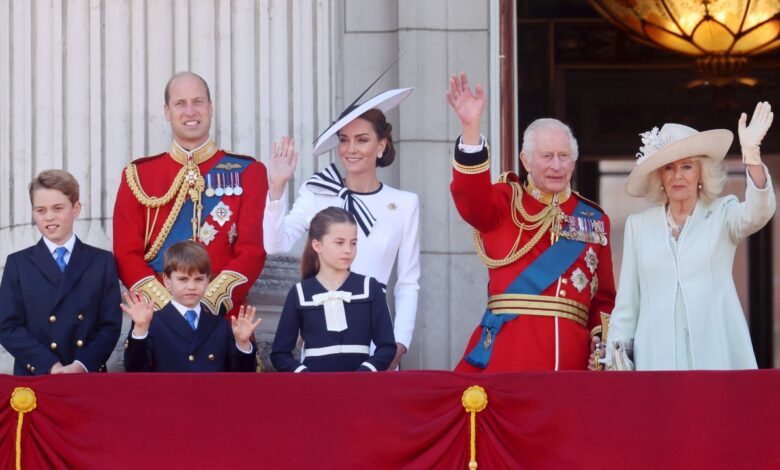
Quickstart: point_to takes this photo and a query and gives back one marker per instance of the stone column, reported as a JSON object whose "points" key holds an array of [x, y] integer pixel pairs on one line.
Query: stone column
{"points": [[81, 87]]}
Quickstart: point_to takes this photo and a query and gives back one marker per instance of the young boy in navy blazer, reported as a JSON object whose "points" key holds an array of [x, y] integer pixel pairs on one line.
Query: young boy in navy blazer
{"points": [[59, 299], [184, 336]]}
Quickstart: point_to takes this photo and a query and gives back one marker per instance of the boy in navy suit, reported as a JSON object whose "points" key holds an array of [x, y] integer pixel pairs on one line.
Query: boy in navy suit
{"points": [[59, 299], [184, 336]]}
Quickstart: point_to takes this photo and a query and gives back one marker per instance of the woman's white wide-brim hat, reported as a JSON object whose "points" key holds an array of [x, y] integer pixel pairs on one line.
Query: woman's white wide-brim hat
{"points": [[674, 142], [383, 102]]}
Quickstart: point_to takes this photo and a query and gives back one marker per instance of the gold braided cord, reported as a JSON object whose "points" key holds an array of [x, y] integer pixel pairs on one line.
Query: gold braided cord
{"points": [[131, 174], [167, 225], [188, 182], [541, 222]]}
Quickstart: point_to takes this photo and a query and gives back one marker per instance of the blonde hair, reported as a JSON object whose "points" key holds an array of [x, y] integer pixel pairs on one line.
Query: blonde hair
{"points": [[712, 177]]}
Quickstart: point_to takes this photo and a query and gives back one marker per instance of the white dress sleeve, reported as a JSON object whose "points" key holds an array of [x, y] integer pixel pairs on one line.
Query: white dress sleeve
{"points": [[281, 230], [408, 269], [625, 315], [746, 218]]}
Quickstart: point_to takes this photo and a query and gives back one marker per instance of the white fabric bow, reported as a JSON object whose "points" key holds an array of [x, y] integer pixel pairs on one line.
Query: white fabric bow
{"points": [[333, 302]]}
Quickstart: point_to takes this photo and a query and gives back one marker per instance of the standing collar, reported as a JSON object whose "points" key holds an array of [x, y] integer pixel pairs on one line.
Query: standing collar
{"points": [[51, 246], [545, 197], [199, 155]]}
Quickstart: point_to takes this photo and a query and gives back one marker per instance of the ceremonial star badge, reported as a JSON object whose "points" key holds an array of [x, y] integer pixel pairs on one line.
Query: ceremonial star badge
{"points": [[591, 260], [578, 279], [221, 213], [207, 233]]}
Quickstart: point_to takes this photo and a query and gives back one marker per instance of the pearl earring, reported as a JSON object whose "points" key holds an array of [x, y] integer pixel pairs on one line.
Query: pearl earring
{"points": [[379, 155], [700, 185]]}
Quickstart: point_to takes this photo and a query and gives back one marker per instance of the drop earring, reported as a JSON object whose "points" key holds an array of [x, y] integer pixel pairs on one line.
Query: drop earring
{"points": [[700, 185]]}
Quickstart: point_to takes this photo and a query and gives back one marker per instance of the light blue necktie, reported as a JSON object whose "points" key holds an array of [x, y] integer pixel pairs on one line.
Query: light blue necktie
{"points": [[190, 315], [60, 253]]}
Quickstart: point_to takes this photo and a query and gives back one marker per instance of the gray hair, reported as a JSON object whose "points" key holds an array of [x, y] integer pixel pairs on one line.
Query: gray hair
{"points": [[529, 142], [713, 178]]}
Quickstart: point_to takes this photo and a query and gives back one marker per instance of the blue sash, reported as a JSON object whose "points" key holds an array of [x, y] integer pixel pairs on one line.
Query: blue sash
{"points": [[182, 227], [534, 279]]}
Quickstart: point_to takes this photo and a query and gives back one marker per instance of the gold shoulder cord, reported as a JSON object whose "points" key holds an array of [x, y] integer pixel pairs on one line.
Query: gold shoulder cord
{"points": [[541, 222], [188, 182]]}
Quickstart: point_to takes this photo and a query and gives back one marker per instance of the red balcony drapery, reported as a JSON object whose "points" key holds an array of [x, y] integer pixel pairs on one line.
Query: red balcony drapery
{"points": [[396, 420]]}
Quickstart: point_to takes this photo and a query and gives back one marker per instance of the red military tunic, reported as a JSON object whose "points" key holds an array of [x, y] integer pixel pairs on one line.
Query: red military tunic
{"points": [[232, 233], [532, 341]]}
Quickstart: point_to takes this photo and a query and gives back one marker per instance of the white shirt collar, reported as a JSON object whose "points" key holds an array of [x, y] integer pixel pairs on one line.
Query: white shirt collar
{"points": [[68, 244], [182, 309]]}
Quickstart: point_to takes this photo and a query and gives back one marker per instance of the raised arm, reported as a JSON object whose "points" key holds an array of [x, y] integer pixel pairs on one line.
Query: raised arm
{"points": [[748, 217]]}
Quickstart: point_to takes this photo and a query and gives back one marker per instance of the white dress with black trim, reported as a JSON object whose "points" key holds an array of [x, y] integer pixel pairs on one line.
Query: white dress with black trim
{"points": [[337, 327], [393, 217]]}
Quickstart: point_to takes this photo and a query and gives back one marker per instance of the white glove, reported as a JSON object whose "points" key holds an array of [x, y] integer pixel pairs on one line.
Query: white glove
{"points": [[750, 136]]}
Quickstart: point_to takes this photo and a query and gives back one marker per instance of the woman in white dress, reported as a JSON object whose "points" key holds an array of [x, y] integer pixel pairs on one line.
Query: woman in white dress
{"points": [[677, 304], [388, 218]]}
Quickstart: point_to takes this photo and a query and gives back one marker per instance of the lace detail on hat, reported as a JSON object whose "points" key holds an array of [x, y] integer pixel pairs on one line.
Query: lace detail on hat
{"points": [[653, 141]]}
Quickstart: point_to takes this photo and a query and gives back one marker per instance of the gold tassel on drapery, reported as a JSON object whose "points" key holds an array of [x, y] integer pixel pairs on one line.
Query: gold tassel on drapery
{"points": [[474, 400], [23, 401]]}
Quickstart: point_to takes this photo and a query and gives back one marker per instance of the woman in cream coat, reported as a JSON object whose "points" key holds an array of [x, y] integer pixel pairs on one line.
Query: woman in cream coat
{"points": [[677, 305]]}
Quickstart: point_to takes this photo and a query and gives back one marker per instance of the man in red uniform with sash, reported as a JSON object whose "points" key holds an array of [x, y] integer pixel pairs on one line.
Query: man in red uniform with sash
{"points": [[546, 247], [193, 191]]}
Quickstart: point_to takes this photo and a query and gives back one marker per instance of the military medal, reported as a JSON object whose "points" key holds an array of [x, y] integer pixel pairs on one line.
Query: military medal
{"points": [[219, 191], [209, 188], [229, 184], [238, 190]]}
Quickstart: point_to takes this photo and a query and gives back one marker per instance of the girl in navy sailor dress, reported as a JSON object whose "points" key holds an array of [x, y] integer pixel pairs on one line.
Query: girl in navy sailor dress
{"points": [[338, 313]]}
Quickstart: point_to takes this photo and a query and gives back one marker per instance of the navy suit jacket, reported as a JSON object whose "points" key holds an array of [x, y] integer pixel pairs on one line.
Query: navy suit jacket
{"points": [[172, 346], [47, 316]]}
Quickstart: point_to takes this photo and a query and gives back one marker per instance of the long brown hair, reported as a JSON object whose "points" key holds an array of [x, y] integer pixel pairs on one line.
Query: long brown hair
{"points": [[318, 228]]}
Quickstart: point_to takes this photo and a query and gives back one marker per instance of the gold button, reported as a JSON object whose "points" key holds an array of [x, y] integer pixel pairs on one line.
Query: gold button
{"points": [[563, 293], [79, 343], [191, 358], [28, 366], [52, 319], [32, 369], [53, 346], [81, 316], [564, 281], [211, 357]]}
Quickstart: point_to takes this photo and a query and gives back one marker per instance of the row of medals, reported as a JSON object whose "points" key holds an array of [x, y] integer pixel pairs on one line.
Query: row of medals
{"points": [[584, 230], [227, 184]]}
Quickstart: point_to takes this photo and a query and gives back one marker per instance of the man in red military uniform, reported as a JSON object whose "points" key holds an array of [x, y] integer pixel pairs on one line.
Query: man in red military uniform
{"points": [[546, 248], [193, 191]]}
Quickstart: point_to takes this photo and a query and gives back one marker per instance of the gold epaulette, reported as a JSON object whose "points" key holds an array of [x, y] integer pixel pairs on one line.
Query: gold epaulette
{"points": [[154, 292], [220, 290], [508, 177]]}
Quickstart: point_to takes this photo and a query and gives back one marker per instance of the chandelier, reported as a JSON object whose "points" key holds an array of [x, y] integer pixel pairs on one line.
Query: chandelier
{"points": [[721, 34]]}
